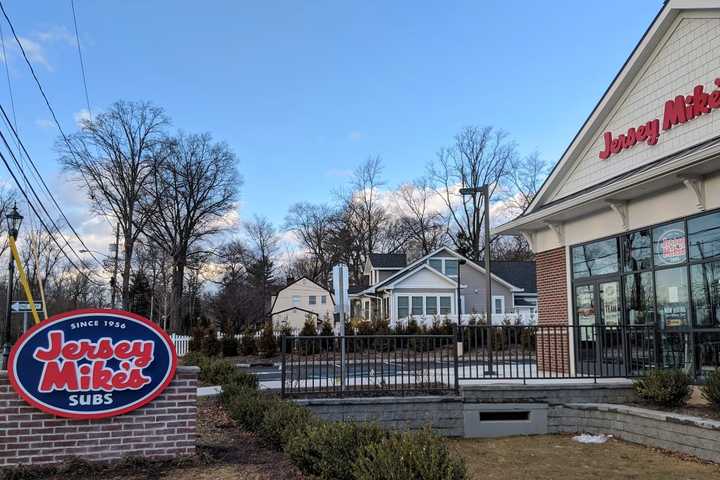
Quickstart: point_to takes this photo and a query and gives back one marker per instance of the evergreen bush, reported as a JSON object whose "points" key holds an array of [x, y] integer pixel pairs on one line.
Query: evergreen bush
{"points": [[248, 346], [229, 346], [665, 388], [711, 390], [420, 455], [268, 344]]}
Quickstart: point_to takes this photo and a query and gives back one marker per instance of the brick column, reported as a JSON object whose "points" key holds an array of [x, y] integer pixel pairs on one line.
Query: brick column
{"points": [[553, 344], [164, 428]]}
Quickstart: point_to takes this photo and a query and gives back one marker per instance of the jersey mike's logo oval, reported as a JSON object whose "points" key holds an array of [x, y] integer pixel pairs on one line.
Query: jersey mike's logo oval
{"points": [[92, 363]]}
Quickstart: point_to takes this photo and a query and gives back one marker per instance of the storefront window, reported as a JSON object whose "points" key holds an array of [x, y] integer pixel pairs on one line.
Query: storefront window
{"points": [[705, 286], [672, 297], [669, 244], [597, 258], [704, 236], [637, 248], [639, 299]]}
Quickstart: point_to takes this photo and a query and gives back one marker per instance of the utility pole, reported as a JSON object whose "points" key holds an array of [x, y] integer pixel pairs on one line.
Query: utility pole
{"points": [[485, 191]]}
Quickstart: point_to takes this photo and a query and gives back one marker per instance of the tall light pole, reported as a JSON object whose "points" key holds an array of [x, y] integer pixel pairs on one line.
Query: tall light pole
{"points": [[485, 191], [14, 220]]}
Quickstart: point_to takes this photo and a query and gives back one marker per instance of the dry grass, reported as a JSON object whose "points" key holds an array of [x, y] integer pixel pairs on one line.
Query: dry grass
{"points": [[558, 457]]}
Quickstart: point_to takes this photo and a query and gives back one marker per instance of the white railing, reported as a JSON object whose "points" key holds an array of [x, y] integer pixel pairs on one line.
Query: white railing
{"points": [[472, 318]]}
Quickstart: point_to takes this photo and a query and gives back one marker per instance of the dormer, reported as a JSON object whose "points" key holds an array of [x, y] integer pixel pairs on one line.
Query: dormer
{"points": [[380, 266]]}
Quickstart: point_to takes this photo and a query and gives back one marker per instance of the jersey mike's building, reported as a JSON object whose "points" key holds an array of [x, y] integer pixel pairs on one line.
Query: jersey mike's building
{"points": [[626, 228]]}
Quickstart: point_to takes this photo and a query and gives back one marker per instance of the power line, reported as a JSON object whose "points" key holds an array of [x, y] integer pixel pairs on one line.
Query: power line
{"points": [[57, 123], [80, 55], [29, 185], [32, 207]]}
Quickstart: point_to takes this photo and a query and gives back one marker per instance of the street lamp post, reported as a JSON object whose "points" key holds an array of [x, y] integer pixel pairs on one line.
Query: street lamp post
{"points": [[14, 220], [485, 191], [461, 262]]}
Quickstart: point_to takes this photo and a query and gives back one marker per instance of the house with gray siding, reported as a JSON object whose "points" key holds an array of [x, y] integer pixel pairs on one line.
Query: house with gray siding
{"points": [[427, 290]]}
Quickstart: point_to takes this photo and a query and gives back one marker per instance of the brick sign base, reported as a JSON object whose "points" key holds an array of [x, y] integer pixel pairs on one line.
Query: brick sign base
{"points": [[162, 429]]}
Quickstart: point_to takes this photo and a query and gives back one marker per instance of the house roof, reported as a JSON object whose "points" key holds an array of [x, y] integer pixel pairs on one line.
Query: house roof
{"points": [[388, 260], [520, 274], [294, 308], [393, 278]]}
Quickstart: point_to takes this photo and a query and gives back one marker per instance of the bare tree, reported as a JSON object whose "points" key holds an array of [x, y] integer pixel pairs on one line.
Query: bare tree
{"points": [[526, 178], [193, 187], [313, 225], [263, 247], [419, 222], [113, 155], [479, 156]]}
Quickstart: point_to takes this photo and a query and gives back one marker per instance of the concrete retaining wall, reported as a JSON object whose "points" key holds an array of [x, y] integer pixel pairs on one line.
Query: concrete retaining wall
{"points": [[678, 433], [443, 414], [553, 394]]}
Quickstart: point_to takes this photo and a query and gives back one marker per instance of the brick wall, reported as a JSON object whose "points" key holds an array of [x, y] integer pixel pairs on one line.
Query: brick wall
{"points": [[164, 428], [553, 352]]}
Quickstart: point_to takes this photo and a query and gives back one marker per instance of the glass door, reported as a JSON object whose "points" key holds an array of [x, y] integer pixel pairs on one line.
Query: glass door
{"points": [[610, 332], [585, 321]]}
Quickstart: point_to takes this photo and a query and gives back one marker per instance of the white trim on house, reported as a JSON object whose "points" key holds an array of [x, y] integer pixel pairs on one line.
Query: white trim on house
{"points": [[405, 279]]}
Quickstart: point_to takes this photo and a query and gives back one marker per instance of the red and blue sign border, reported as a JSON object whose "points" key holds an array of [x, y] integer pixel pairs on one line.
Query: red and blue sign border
{"points": [[11, 370]]}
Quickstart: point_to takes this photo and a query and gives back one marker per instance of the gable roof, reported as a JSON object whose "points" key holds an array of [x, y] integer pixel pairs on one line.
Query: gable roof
{"points": [[520, 274], [295, 308], [388, 260], [422, 260], [443, 278]]}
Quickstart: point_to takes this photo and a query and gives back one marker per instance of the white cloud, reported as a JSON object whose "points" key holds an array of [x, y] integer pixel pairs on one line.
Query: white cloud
{"points": [[81, 116], [355, 136], [35, 52], [44, 123]]}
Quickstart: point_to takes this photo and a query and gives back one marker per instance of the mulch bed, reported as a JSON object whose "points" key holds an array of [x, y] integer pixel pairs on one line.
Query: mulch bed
{"points": [[225, 452]]}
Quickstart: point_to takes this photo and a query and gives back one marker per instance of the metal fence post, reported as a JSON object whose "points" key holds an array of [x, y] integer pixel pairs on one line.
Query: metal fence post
{"points": [[457, 379], [283, 363]]}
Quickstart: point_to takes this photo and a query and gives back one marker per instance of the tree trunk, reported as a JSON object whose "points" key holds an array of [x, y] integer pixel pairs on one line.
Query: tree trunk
{"points": [[176, 297], [127, 266]]}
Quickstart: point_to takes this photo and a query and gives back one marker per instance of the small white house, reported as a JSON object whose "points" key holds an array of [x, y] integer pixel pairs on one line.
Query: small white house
{"points": [[299, 300]]}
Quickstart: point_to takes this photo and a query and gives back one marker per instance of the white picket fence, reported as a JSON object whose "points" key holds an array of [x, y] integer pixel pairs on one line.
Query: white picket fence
{"points": [[182, 342]]}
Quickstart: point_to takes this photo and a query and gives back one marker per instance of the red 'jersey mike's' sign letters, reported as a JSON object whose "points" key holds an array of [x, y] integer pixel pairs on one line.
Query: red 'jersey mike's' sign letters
{"points": [[92, 363], [680, 110]]}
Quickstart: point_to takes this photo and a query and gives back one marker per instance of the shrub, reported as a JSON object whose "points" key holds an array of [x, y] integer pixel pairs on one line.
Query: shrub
{"points": [[327, 450], [309, 328], [245, 405], [711, 390], [408, 455], [667, 388], [193, 359], [229, 346], [221, 372], [268, 344], [247, 343], [281, 421]]}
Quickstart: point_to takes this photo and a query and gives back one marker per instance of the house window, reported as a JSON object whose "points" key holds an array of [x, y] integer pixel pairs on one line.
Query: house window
{"points": [[498, 305], [445, 305], [451, 268], [436, 263], [296, 299], [402, 307], [312, 300], [323, 299], [431, 305], [417, 305]]}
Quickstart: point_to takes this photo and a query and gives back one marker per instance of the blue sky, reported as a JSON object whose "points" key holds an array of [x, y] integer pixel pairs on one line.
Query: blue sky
{"points": [[305, 91]]}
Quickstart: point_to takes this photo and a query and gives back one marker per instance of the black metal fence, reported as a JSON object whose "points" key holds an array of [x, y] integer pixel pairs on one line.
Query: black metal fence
{"points": [[412, 364], [374, 365]]}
